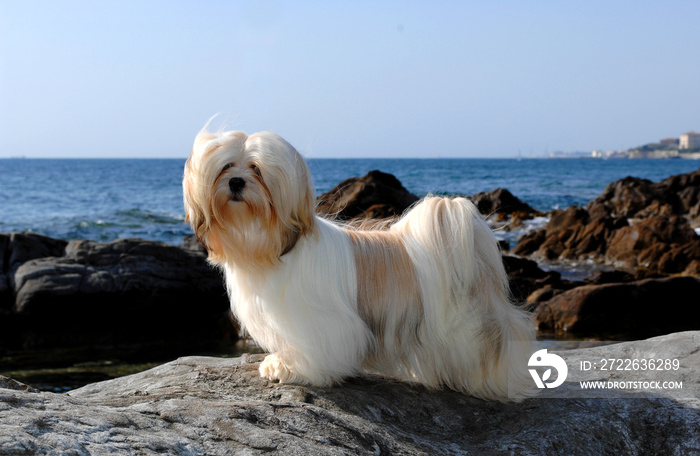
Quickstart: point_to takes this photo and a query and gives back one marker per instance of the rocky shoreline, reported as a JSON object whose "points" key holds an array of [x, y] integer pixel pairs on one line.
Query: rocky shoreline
{"points": [[133, 298], [133, 292]]}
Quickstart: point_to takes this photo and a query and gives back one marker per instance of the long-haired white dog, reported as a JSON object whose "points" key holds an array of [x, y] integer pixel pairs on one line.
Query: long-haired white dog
{"points": [[425, 300]]}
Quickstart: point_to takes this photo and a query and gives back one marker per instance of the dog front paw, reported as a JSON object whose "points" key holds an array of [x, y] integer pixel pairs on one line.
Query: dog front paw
{"points": [[273, 368]]}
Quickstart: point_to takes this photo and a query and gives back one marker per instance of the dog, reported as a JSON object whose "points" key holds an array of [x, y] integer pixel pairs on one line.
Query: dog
{"points": [[426, 300]]}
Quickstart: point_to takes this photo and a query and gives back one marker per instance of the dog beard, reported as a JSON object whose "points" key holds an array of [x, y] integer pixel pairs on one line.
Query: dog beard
{"points": [[425, 300]]}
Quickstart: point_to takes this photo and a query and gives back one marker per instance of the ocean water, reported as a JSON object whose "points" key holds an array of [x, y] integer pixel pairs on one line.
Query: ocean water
{"points": [[101, 199]]}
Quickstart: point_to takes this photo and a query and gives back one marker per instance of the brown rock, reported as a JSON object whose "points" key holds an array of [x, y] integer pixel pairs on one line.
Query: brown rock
{"points": [[614, 276], [571, 234], [640, 198], [686, 188], [660, 244], [530, 243], [542, 294], [525, 277], [625, 197], [640, 309], [375, 194], [558, 232], [501, 201]]}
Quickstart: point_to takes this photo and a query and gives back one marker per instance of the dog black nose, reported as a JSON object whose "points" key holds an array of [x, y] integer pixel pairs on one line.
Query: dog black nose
{"points": [[236, 184]]}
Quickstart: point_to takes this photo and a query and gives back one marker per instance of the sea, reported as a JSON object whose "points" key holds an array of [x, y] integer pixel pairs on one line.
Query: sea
{"points": [[107, 199]]}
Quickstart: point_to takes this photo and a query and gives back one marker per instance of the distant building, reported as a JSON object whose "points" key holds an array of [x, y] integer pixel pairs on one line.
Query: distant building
{"points": [[669, 142], [560, 154], [609, 154], [687, 146], [690, 140], [637, 153]]}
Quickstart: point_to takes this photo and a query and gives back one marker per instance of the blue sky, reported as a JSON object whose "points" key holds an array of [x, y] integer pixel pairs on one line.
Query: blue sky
{"points": [[347, 79]]}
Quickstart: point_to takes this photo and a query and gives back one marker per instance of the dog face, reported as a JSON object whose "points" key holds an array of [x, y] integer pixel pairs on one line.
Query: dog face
{"points": [[247, 198]]}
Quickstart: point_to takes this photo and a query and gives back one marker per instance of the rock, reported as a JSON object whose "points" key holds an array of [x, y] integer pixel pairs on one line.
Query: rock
{"points": [[524, 277], [126, 291], [202, 405], [633, 309], [6, 300], [11, 384], [135, 269], [661, 244], [626, 197], [640, 198], [380, 195], [542, 295], [501, 201], [192, 243], [686, 188], [522, 267], [26, 246], [570, 234], [380, 211], [614, 276], [658, 239], [17, 248], [376, 194], [530, 243]]}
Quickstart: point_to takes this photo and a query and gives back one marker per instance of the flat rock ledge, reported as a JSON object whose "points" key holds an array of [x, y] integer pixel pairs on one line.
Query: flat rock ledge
{"points": [[216, 406]]}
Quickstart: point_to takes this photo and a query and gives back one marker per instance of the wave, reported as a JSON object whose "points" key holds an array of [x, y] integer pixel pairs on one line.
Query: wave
{"points": [[127, 223]]}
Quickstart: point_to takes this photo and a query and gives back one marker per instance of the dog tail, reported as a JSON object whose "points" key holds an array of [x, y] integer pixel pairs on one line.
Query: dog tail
{"points": [[475, 340]]}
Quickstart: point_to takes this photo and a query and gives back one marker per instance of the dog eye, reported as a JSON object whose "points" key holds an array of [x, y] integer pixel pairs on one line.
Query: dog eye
{"points": [[227, 166], [255, 169]]}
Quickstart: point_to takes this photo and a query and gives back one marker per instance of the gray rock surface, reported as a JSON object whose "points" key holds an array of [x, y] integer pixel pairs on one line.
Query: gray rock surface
{"points": [[17, 248], [129, 291], [147, 271], [213, 406]]}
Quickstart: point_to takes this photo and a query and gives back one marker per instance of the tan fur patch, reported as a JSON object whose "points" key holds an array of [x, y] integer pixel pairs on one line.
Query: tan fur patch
{"points": [[388, 296]]}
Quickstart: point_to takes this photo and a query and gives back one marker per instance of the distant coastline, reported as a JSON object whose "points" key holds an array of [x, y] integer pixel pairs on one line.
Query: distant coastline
{"points": [[687, 146], [627, 155]]}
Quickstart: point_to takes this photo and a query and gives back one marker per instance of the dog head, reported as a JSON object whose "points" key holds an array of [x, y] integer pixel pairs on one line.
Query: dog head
{"points": [[247, 198]]}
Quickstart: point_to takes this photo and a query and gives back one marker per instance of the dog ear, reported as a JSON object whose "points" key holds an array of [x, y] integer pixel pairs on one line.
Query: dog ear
{"points": [[206, 235], [300, 223], [302, 217], [197, 222], [290, 241], [306, 210], [194, 214]]}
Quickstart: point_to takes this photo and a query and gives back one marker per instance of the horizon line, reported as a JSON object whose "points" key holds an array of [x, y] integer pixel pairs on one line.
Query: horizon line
{"points": [[305, 157]]}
